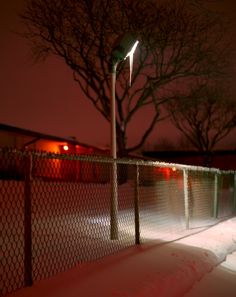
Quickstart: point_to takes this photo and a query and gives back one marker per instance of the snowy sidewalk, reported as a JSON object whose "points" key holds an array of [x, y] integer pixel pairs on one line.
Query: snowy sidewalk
{"points": [[218, 283], [170, 269]]}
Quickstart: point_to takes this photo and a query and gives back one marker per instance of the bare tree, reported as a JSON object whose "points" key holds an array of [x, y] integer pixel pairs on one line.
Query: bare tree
{"points": [[177, 44], [205, 117]]}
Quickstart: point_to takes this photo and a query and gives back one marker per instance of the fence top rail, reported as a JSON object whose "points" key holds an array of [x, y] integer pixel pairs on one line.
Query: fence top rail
{"points": [[174, 165], [107, 159]]}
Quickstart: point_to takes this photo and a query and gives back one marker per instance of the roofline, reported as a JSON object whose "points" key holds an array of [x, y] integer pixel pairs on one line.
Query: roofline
{"points": [[39, 135]]}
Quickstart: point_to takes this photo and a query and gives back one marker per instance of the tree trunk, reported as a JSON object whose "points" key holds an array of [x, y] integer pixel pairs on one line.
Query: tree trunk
{"points": [[207, 159], [121, 143], [122, 169]]}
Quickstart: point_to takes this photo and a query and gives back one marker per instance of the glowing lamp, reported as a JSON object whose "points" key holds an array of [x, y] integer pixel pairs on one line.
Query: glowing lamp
{"points": [[65, 147]]}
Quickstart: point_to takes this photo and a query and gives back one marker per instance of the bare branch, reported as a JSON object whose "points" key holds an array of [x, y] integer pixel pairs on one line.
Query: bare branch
{"points": [[178, 45], [205, 116]]}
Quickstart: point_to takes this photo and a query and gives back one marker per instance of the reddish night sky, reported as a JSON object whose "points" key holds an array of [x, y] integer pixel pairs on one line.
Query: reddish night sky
{"points": [[43, 97]]}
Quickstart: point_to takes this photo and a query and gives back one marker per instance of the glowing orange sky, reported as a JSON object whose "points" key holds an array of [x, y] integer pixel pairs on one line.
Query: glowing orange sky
{"points": [[43, 97]]}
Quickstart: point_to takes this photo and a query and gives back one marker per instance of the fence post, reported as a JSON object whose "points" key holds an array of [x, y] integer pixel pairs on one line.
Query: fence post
{"points": [[216, 196], [234, 207], [27, 222], [136, 206], [114, 202], [186, 199]]}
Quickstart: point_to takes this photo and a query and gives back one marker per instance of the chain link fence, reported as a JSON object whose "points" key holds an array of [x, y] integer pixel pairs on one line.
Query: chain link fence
{"points": [[58, 211]]}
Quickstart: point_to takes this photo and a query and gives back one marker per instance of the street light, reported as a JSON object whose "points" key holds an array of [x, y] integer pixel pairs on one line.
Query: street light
{"points": [[124, 47]]}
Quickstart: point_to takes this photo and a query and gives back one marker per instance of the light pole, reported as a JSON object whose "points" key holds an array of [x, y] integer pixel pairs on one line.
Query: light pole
{"points": [[124, 48]]}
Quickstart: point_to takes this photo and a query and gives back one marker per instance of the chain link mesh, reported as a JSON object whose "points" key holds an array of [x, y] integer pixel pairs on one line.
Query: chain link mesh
{"points": [[161, 203], [201, 198], [227, 195], [56, 209], [11, 223]]}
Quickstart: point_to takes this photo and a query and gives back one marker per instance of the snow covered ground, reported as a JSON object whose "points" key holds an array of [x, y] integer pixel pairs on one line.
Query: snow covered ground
{"points": [[191, 266], [221, 281]]}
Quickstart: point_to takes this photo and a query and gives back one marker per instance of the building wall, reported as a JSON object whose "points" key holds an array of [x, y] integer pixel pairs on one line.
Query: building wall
{"points": [[49, 166], [9, 139]]}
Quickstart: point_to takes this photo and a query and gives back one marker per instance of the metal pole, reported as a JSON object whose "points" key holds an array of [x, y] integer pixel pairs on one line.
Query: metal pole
{"points": [[28, 281], [114, 191], [234, 207], [136, 206], [216, 196], [186, 198]]}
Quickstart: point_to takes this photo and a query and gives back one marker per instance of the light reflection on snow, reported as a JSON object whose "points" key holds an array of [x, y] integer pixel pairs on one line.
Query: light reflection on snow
{"points": [[100, 220]]}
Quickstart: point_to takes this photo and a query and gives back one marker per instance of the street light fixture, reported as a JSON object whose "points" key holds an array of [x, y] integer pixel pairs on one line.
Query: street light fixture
{"points": [[124, 47]]}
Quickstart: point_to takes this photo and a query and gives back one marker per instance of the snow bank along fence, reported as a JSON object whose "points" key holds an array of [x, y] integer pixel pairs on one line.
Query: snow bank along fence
{"points": [[56, 209]]}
